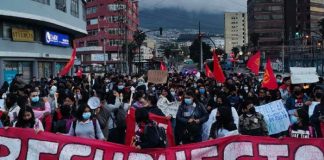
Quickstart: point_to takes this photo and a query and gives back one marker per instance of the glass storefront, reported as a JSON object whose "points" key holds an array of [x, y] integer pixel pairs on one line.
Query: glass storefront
{"points": [[44, 69], [12, 68]]}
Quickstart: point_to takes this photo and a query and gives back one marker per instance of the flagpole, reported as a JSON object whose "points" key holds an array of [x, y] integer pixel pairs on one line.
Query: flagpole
{"points": [[201, 50]]}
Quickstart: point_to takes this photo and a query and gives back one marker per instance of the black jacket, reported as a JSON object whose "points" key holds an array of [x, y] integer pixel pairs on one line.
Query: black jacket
{"points": [[155, 110], [318, 111]]}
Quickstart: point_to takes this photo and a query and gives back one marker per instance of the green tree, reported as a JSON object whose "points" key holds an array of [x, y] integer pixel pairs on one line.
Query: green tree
{"points": [[131, 54], [195, 51], [139, 37]]}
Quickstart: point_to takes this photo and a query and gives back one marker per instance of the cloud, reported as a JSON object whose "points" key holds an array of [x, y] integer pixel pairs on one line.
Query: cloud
{"points": [[208, 6]]}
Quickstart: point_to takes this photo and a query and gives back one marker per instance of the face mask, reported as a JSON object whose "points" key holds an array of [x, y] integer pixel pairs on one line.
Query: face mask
{"points": [[140, 83], [86, 115], [246, 88], [188, 101], [107, 80], [35, 99], [215, 99], [79, 96], [202, 90], [52, 93], [195, 85], [278, 80], [120, 87], [153, 88], [173, 93]]}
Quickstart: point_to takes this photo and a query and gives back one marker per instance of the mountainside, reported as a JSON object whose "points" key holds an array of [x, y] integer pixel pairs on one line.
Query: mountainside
{"points": [[176, 18]]}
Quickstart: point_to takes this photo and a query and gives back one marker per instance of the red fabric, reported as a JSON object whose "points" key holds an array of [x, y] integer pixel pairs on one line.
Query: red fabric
{"points": [[218, 71], [162, 121], [163, 67], [269, 79], [21, 144], [79, 73], [322, 129], [209, 74], [69, 65], [254, 63], [47, 122]]}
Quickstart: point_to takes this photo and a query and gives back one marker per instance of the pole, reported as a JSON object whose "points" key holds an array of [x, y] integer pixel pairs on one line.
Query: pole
{"points": [[201, 50], [283, 54], [104, 48]]}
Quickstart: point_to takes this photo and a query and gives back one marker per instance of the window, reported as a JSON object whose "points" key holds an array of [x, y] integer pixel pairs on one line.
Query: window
{"points": [[116, 7], [114, 42], [6, 31], [115, 31], [91, 10], [81, 44], [92, 32], [60, 5], [92, 21], [43, 1], [75, 8], [92, 43]]}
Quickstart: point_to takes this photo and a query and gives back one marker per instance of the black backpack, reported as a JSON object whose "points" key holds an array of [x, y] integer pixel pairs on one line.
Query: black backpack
{"points": [[120, 116], [160, 132]]}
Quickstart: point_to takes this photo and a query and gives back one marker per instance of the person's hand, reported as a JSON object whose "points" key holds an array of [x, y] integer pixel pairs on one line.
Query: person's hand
{"points": [[6, 128], [197, 121], [190, 120], [138, 147], [168, 117], [308, 103]]}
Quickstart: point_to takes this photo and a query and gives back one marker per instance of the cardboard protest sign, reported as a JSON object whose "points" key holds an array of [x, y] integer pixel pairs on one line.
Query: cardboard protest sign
{"points": [[300, 75], [157, 76], [275, 116]]}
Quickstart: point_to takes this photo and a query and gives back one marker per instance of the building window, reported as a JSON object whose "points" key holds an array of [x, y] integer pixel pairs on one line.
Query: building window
{"points": [[92, 32], [115, 31], [75, 8], [116, 7], [43, 1], [6, 31], [92, 43], [91, 10], [60, 5], [81, 44], [92, 21], [114, 42]]}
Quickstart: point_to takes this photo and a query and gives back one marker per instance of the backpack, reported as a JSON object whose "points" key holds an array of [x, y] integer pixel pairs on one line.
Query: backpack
{"points": [[94, 127], [160, 132], [120, 116]]}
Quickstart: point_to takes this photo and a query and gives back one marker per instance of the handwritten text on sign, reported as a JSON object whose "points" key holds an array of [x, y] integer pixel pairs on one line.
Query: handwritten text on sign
{"points": [[157, 76], [275, 116]]}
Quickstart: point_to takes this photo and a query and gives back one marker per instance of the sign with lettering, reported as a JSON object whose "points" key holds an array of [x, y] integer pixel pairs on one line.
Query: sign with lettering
{"points": [[22, 35], [300, 75], [275, 116], [157, 76], [57, 39]]}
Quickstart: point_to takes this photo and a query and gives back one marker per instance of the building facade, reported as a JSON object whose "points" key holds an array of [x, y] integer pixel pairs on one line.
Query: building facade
{"points": [[36, 36], [109, 24], [236, 30], [267, 20]]}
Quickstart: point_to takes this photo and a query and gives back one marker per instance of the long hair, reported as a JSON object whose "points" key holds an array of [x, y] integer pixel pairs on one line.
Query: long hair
{"points": [[21, 123], [225, 119]]}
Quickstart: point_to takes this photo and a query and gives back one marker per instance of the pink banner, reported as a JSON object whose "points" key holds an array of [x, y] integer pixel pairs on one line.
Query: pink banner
{"points": [[25, 144]]}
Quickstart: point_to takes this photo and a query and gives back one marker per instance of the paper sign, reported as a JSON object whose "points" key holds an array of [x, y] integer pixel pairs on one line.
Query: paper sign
{"points": [[172, 109], [157, 76], [275, 116], [300, 75]]}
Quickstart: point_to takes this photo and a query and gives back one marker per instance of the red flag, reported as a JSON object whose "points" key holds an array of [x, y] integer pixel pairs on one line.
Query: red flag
{"points": [[254, 63], [79, 73], [209, 74], [162, 66], [218, 72], [269, 79], [69, 65]]}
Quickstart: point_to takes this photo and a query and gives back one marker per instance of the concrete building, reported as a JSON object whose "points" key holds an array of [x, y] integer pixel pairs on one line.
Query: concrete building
{"points": [[36, 36], [109, 22], [236, 30], [217, 40], [267, 20]]}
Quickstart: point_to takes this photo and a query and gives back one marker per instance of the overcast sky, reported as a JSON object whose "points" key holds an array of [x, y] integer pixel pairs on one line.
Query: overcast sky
{"points": [[209, 6]]}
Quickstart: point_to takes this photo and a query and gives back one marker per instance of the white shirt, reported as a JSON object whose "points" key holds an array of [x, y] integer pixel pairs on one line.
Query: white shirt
{"points": [[312, 107]]}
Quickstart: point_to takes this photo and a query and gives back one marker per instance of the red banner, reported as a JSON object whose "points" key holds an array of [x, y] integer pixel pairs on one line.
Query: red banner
{"points": [[24, 144], [162, 122]]}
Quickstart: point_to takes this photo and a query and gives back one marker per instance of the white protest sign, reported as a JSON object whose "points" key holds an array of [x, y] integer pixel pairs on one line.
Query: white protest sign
{"points": [[301, 75], [275, 115], [172, 109]]}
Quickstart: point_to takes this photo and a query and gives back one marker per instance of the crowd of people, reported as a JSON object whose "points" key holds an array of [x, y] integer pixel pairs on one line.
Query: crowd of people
{"points": [[96, 107]]}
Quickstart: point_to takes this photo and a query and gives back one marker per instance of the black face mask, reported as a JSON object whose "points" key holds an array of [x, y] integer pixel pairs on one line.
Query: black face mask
{"points": [[252, 110], [9, 104]]}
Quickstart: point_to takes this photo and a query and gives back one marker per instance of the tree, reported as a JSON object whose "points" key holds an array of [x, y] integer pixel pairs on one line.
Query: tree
{"points": [[139, 37], [254, 38], [131, 54], [195, 51]]}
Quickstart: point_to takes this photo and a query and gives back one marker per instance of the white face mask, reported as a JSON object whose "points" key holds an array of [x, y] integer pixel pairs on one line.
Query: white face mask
{"points": [[215, 98]]}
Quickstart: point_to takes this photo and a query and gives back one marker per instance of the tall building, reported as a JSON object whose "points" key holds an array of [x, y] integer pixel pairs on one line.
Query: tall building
{"points": [[36, 36], [109, 22], [236, 30], [267, 20]]}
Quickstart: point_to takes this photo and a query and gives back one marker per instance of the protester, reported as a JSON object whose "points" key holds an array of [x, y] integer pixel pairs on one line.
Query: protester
{"points": [[318, 118], [27, 119], [302, 129], [296, 101], [149, 103], [102, 113], [12, 107], [147, 135], [251, 122], [86, 126], [224, 125], [190, 117]]}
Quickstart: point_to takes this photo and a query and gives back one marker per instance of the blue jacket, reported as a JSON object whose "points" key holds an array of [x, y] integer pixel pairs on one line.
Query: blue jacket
{"points": [[293, 103]]}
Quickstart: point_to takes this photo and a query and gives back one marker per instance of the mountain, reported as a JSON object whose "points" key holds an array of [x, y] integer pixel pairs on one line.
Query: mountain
{"points": [[176, 18]]}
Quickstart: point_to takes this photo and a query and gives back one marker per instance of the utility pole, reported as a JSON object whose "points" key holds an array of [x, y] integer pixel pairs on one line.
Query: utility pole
{"points": [[104, 48], [201, 50], [283, 53]]}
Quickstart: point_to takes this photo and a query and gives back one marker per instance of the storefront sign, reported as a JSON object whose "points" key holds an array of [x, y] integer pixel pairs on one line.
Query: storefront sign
{"points": [[22, 35], [17, 143], [57, 39]]}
